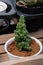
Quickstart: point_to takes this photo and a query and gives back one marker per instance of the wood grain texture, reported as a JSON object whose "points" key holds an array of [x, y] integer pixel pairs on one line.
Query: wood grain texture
{"points": [[4, 38], [37, 34], [33, 62], [3, 58], [36, 60], [2, 49]]}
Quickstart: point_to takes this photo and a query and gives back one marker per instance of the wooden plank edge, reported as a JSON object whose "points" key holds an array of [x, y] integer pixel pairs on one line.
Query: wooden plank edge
{"points": [[3, 58], [11, 62]]}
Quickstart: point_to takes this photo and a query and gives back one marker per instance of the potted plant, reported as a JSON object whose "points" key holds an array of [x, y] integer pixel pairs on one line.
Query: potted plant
{"points": [[22, 44], [30, 6]]}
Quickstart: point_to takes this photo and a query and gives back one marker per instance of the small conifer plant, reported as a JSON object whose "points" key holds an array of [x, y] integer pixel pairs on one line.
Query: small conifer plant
{"points": [[22, 37]]}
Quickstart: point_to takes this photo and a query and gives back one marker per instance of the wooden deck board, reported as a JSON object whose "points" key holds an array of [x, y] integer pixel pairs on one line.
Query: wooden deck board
{"points": [[2, 49], [3, 58], [26, 61], [37, 34], [4, 38]]}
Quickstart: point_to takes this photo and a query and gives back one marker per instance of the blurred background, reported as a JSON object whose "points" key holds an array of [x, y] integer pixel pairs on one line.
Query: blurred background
{"points": [[9, 18]]}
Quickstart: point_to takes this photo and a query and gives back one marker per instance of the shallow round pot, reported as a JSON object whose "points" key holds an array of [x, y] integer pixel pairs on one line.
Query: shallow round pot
{"points": [[11, 56]]}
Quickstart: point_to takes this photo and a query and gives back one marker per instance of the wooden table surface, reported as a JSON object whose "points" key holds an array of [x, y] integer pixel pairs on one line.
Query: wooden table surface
{"points": [[4, 38]]}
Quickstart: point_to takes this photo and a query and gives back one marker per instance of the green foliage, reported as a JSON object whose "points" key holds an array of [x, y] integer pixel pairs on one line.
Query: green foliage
{"points": [[31, 3], [22, 36], [28, 3]]}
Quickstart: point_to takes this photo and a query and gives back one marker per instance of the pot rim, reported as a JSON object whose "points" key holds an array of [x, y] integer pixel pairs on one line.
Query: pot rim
{"points": [[11, 39], [30, 10]]}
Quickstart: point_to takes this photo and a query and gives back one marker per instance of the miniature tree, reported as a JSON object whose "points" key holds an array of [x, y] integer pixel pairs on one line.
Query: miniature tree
{"points": [[22, 37]]}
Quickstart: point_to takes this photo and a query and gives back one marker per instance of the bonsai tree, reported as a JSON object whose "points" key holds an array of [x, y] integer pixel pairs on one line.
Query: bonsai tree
{"points": [[22, 37]]}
